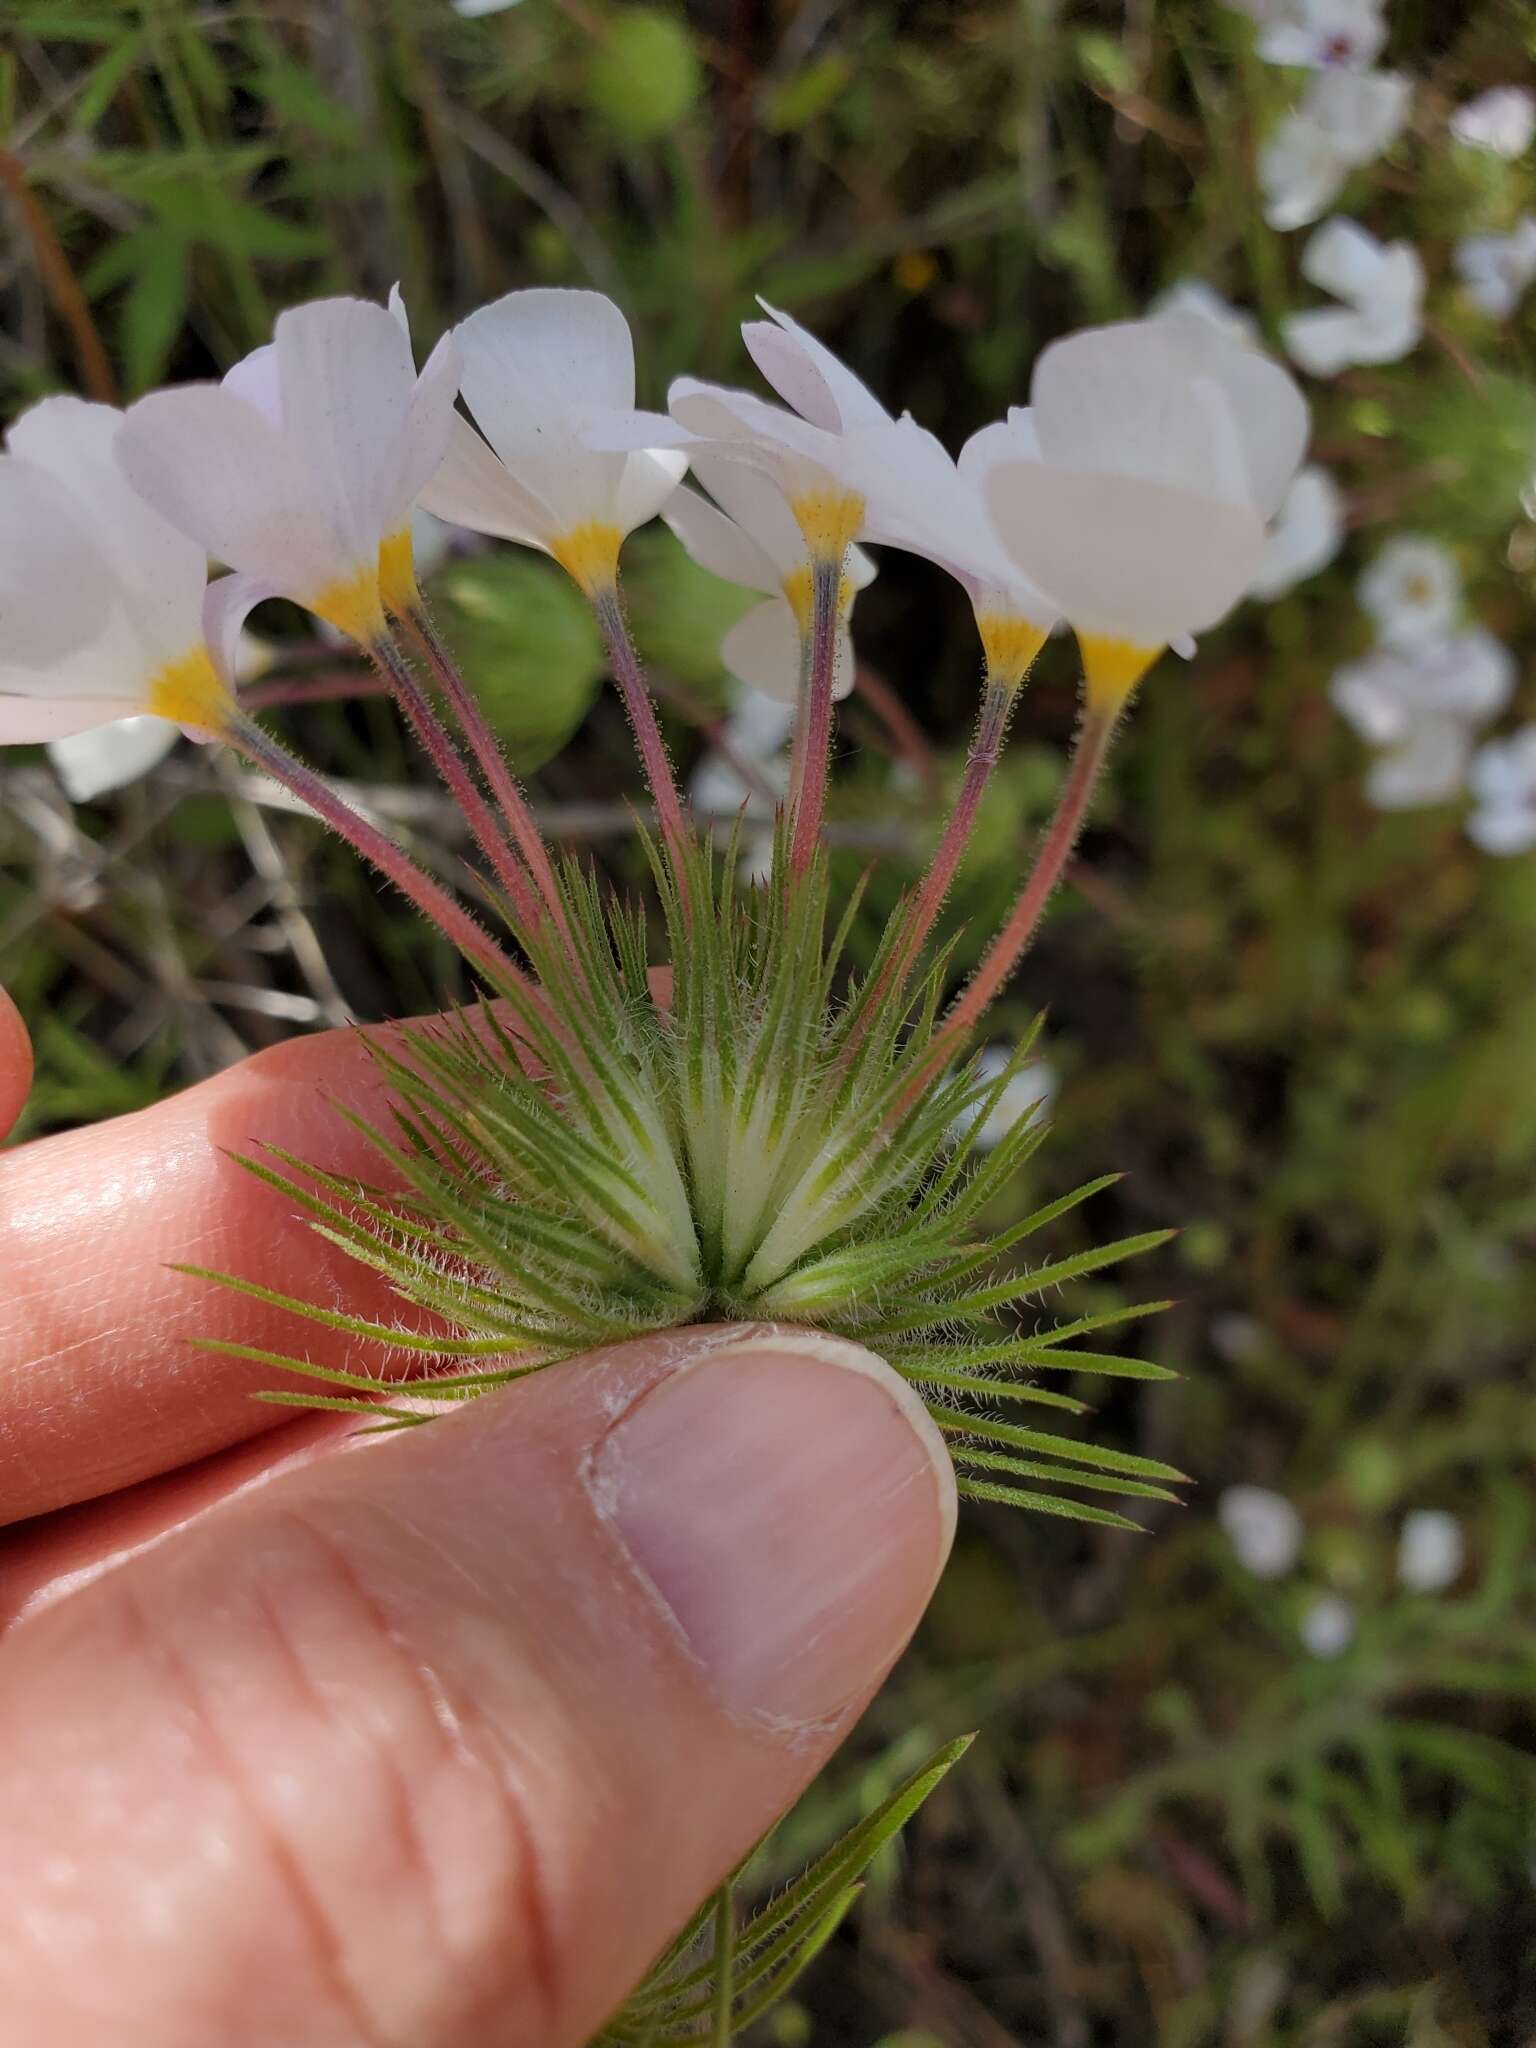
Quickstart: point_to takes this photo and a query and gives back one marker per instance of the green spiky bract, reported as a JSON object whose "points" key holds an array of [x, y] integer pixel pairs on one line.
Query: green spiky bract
{"points": [[716, 1978], [581, 1162]]}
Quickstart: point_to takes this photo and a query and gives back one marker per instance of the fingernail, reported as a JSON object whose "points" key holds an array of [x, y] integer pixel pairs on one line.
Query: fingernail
{"points": [[791, 1503]]}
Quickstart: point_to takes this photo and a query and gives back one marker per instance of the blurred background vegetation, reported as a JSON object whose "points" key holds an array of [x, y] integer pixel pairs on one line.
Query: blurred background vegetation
{"points": [[1306, 1030]]}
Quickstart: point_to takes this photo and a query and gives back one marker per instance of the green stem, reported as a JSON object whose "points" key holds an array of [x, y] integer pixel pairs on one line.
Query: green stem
{"points": [[725, 1967]]}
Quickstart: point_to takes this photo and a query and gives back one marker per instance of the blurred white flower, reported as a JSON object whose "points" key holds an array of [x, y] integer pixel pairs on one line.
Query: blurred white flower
{"points": [[1427, 766], [1238, 1338], [1467, 676], [1324, 34], [1412, 591], [749, 536], [1431, 1551], [1502, 780], [1503, 120], [1194, 295], [1496, 269], [1305, 535], [105, 757], [473, 9], [1033, 1087], [1382, 289], [1263, 1528], [1328, 1626], [1345, 121], [1423, 705], [756, 730]]}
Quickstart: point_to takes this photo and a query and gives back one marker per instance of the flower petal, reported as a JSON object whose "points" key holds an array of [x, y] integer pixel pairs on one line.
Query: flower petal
{"points": [[1120, 556], [719, 544], [25, 720], [1130, 401], [159, 571], [105, 757], [56, 589], [647, 483], [429, 425], [348, 380], [473, 488], [762, 650], [212, 465], [1270, 412], [808, 376]]}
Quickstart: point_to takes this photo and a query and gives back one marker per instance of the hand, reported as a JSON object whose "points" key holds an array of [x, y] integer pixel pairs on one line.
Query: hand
{"points": [[432, 1739]]}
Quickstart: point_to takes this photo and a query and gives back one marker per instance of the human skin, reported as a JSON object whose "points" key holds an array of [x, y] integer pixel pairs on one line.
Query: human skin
{"points": [[426, 1740]]}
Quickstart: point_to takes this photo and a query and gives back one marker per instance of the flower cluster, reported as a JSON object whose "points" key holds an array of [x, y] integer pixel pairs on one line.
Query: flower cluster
{"points": [[580, 1160], [1430, 685]]}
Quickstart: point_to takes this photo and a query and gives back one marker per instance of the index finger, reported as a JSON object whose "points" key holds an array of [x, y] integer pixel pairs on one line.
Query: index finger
{"points": [[102, 1382], [15, 1063]]}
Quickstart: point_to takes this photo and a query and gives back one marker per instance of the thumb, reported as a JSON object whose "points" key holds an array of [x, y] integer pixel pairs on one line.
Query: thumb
{"points": [[439, 1741], [15, 1063]]}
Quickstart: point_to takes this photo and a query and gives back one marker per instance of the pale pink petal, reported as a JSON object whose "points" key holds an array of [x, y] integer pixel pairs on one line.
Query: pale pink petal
{"points": [[808, 376], [718, 544], [160, 571], [429, 426], [56, 589], [473, 488], [214, 467], [347, 381], [258, 379], [24, 721]]}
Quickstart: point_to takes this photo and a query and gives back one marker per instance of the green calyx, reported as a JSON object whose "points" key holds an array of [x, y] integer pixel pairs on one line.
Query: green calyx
{"points": [[581, 1162]]}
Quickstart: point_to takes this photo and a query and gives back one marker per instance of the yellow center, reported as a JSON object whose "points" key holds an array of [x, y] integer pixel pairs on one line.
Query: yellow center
{"points": [[589, 555], [191, 691], [397, 572], [798, 586], [1113, 668], [352, 604], [830, 521], [1010, 643]]}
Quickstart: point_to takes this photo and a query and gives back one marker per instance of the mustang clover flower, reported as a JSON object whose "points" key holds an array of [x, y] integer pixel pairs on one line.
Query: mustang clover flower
{"points": [[575, 1160]]}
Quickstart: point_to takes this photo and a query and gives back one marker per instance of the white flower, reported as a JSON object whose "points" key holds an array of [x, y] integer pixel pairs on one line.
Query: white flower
{"points": [[1163, 449], [845, 467], [1328, 1626], [1496, 269], [1382, 288], [1430, 1551], [1031, 1089], [1423, 705], [1194, 295], [1427, 766], [749, 536], [1503, 785], [1345, 121], [1412, 591], [1324, 34], [301, 469], [102, 603], [1503, 120], [1467, 676], [546, 373], [1263, 1528], [1307, 533]]}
